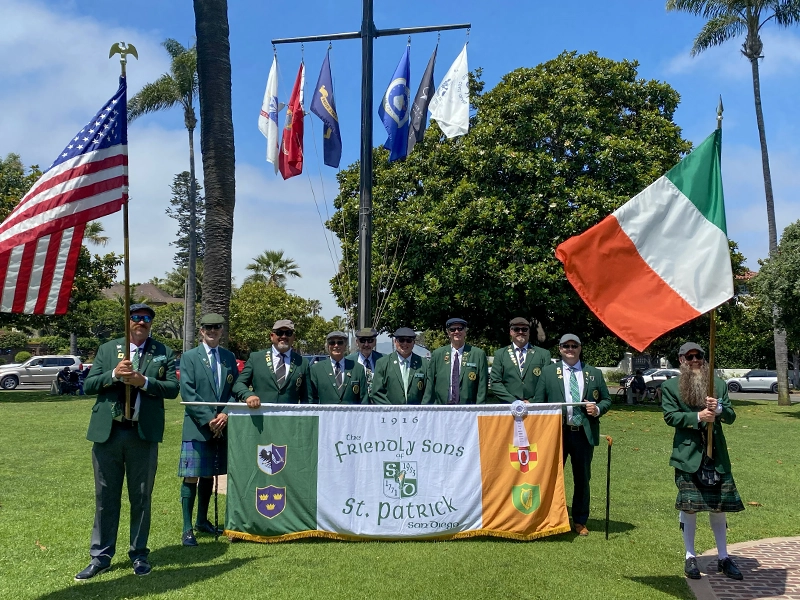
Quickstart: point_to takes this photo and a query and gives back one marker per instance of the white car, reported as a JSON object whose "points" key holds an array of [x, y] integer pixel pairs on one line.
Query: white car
{"points": [[37, 369], [659, 376], [757, 380]]}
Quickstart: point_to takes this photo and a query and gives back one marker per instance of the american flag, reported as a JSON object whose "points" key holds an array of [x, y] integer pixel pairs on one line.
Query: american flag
{"points": [[40, 241]]}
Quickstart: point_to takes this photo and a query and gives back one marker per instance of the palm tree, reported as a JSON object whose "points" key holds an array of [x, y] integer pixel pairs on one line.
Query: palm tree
{"points": [[94, 233], [728, 19], [216, 137], [178, 87], [315, 307], [273, 268]]}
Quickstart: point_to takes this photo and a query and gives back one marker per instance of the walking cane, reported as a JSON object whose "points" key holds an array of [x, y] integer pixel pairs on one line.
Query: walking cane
{"points": [[608, 482]]}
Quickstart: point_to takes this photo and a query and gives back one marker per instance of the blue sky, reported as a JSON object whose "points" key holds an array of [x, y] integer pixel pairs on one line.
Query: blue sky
{"points": [[54, 74]]}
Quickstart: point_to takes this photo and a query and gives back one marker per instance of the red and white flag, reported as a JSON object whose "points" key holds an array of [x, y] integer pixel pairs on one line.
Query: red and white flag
{"points": [[40, 240], [290, 161]]}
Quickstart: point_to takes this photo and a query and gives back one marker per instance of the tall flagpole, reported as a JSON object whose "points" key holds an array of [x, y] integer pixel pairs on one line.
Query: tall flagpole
{"points": [[123, 50]]}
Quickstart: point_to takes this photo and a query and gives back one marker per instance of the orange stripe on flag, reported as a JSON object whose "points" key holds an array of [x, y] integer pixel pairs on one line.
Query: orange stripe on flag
{"points": [[523, 492], [609, 274]]}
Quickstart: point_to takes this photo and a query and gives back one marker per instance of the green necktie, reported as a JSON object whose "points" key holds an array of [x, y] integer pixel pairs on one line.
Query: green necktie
{"points": [[575, 392], [135, 359]]}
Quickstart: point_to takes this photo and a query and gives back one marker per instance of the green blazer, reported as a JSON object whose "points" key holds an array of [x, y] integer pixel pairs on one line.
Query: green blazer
{"points": [[325, 390], [387, 381], [473, 378], [550, 388], [259, 374], [376, 355], [197, 385], [508, 384], [687, 443], [157, 364]]}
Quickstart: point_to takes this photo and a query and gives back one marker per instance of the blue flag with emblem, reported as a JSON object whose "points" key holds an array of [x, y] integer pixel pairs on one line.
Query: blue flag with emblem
{"points": [[324, 107], [395, 109]]}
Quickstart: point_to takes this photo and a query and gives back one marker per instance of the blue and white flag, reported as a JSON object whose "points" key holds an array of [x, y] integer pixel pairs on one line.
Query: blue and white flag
{"points": [[395, 109], [268, 117], [323, 105]]}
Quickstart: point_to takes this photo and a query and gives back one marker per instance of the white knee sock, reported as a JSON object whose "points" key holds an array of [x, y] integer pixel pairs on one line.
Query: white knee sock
{"points": [[719, 525], [688, 523]]}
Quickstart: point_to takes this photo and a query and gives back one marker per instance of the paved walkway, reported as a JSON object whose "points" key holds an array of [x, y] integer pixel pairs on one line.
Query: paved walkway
{"points": [[771, 569]]}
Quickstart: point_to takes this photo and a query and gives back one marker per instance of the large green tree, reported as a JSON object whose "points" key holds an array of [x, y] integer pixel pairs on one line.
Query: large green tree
{"points": [[14, 182], [727, 20], [180, 209], [468, 227], [216, 140], [179, 87]]}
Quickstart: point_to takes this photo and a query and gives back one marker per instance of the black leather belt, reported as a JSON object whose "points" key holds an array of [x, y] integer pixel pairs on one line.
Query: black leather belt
{"points": [[573, 427], [125, 424]]}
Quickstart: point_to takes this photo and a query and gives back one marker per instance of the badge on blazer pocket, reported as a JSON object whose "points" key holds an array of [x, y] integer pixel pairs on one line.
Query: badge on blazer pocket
{"points": [[161, 372], [229, 378], [472, 376], [537, 371], [420, 385], [596, 394], [299, 382], [356, 389]]}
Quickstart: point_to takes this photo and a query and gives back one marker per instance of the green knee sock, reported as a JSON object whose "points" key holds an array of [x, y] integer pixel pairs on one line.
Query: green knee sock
{"points": [[188, 494], [204, 490]]}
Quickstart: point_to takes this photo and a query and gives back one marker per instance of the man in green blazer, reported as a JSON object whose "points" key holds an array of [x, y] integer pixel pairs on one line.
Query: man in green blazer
{"points": [[457, 373], [338, 380], [516, 368], [366, 355], [400, 377], [572, 382], [691, 411], [208, 373], [278, 375], [126, 443]]}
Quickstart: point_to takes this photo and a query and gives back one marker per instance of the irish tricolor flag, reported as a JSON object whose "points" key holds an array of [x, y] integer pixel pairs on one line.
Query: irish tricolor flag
{"points": [[661, 259]]}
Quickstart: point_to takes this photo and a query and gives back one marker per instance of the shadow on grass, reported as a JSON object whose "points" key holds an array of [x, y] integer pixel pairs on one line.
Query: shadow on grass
{"points": [[14, 396], [158, 582], [794, 415], [674, 585]]}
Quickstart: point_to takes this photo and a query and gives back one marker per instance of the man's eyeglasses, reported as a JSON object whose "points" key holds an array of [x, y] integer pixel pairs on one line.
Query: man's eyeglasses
{"points": [[520, 329], [405, 340], [335, 342], [369, 340], [213, 327], [455, 328], [141, 318], [283, 332], [570, 346], [694, 357]]}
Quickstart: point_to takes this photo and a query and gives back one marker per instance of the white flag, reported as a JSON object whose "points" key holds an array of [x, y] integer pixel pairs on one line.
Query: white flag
{"points": [[450, 104], [268, 118]]}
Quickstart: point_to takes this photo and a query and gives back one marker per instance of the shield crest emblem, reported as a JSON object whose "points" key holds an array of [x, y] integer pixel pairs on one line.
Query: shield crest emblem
{"points": [[525, 497], [271, 458], [524, 458], [270, 501], [399, 479]]}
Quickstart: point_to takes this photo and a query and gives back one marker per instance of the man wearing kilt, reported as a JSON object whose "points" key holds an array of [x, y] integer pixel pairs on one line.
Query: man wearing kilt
{"points": [[688, 408], [208, 373]]}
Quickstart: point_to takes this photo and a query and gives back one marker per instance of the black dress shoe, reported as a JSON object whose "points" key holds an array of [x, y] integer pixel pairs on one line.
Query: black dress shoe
{"points": [[690, 568], [207, 527], [188, 538], [141, 567], [730, 569], [90, 572]]}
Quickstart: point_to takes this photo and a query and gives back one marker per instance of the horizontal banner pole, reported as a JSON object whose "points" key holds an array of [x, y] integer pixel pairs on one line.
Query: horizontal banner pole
{"points": [[427, 29], [353, 35], [498, 407]]}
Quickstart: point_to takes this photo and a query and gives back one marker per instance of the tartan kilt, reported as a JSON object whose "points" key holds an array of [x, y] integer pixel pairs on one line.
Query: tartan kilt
{"points": [[694, 498], [198, 458]]}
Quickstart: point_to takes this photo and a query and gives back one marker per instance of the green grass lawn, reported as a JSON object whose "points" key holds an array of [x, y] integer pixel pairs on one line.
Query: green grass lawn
{"points": [[47, 507]]}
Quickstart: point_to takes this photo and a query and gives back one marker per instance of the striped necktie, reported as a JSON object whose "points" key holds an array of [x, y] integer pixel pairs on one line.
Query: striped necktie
{"points": [[575, 393], [280, 372]]}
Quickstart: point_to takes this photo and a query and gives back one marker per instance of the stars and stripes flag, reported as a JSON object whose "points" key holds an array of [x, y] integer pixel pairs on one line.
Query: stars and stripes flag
{"points": [[40, 240]]}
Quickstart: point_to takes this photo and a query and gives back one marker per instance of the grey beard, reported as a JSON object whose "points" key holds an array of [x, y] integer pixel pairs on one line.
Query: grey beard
{"points": [[693, 386]]}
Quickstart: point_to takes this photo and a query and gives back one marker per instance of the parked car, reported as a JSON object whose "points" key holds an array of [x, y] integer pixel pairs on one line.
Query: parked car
{"points": [[37, 369], [315, 358], [655, 379], [755, 381], [625, 381]]}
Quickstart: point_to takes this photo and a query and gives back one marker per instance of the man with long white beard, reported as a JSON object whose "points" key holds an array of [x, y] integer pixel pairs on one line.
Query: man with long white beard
{"points": [[690, 410]]}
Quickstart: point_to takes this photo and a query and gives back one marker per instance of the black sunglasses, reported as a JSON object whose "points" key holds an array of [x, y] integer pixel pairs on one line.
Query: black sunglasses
{"points": [[694, 357], [570, 346], [520, 329], [405, 340], [141, 318], [215, 326], [455, 328], [335, 342], [366, 340], [283, 332]]}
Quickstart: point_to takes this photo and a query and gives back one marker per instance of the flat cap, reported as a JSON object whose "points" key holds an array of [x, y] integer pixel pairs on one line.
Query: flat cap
{"points": [[569, 337], [404, 332], [212, 319], [336, 335], [519, 321], [455, 321], [367, 332], [688, 346], [142, 306], [283, 324]]}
